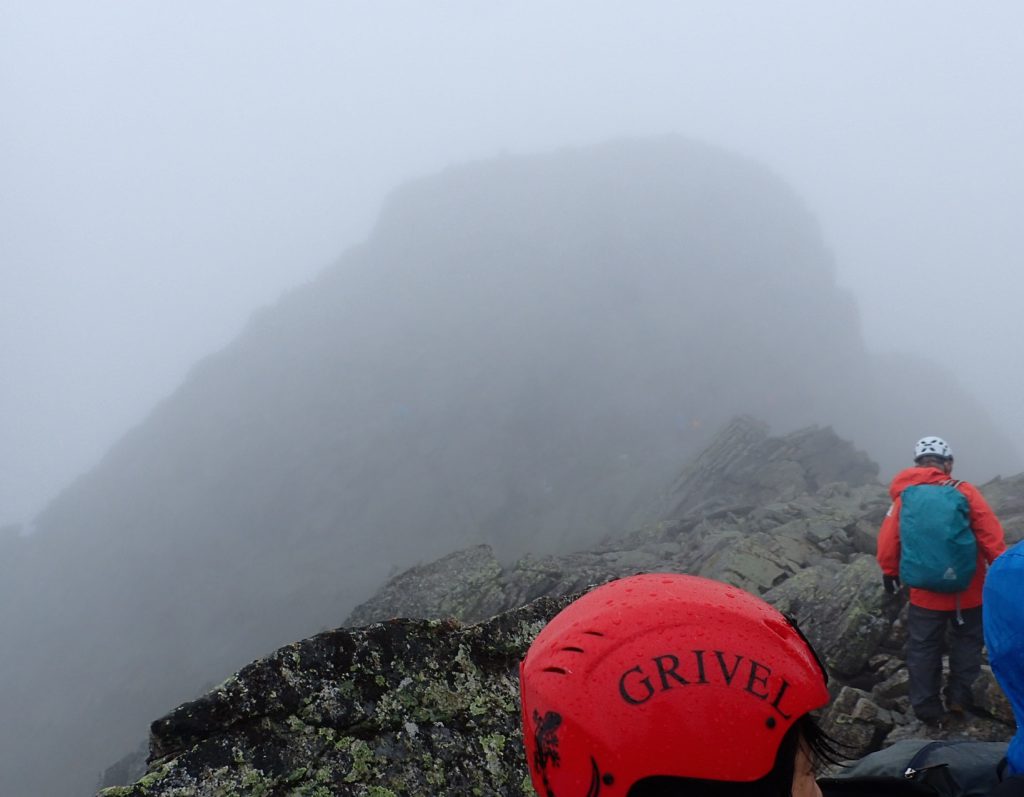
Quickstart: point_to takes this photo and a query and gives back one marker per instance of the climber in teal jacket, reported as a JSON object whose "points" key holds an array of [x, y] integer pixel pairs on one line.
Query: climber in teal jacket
{"points": [[1003, 619]]}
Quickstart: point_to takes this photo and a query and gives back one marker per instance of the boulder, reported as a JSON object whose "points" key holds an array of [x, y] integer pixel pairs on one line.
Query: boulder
{"points": [[988, 697], [403, 707], [857, 722], [895, 686], [842, 609]]}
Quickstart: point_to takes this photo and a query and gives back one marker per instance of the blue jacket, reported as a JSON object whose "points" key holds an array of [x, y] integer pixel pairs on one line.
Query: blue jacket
{"points": [[1004, 635]]}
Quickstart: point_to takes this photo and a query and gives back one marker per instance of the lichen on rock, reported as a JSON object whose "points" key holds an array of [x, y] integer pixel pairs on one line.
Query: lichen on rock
{"points": [[401, 707]]}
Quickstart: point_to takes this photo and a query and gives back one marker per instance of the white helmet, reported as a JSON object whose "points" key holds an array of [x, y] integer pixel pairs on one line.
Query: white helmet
{"points": [[932, 447]]}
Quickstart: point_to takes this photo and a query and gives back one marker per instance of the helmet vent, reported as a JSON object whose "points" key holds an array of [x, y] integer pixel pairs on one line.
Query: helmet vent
{"points": [[558, 670], [594, 633], [573, 649]]}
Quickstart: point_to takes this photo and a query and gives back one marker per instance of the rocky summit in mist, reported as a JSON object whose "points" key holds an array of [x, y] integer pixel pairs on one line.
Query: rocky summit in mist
{"points": [[522, 354]]}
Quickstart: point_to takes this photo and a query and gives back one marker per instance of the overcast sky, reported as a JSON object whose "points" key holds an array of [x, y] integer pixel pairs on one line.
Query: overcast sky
{"points": [[167, 168]]}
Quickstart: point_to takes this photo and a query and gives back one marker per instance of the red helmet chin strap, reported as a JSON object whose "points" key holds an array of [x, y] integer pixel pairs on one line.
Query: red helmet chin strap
{"points": [[662, 674]]}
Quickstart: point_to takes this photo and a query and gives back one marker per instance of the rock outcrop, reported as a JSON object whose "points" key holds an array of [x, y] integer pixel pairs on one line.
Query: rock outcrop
{"points": [[761, 513], [400, 706], [745, 467]]}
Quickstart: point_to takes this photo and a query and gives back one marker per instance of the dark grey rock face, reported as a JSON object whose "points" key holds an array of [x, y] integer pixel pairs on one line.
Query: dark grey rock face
{"points": [[398, 708]]}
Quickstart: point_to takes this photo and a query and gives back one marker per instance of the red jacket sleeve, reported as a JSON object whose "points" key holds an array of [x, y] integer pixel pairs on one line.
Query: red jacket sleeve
{"points": [[985, 524], [889, 541]]}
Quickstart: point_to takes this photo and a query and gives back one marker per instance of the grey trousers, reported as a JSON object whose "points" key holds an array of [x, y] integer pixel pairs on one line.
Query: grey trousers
{"points": [[926, 637]]}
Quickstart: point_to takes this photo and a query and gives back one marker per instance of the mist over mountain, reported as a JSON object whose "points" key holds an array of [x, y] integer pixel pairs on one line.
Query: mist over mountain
{"points": [[523, 353]]}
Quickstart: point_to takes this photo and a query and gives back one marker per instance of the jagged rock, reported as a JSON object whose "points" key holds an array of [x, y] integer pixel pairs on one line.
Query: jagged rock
{"points": [[471, 585], [895, 686], [129, 769], [989, 697], [969, 728], [756, 563], [885, 665], [864, 536], [857, 721], [403, 707], [1007, 499], [478, 594], [753, 546], [744, 466], [841, 609]]}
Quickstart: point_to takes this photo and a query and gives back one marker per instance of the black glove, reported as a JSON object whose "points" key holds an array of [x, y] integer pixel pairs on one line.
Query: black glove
{"points": [[892, 584]]}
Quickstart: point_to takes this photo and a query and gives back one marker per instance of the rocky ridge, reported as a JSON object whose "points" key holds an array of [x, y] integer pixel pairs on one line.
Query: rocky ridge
{"points": [[399, 706], [522, 352]]}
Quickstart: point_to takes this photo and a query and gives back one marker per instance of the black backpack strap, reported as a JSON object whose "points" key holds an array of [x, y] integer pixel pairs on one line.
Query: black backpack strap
{"points": [[944, 768], [874, 786]]}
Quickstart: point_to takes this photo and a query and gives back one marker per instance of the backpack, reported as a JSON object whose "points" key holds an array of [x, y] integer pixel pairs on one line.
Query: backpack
{"points": [[922, 767], [938, 550]]}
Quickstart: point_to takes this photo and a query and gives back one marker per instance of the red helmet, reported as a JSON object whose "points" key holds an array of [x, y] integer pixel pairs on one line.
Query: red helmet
{"points": [[662, 674]]}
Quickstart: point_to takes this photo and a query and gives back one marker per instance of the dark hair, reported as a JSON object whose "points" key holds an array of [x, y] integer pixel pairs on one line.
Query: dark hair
{"points": [[933, 460], [777, 783]]}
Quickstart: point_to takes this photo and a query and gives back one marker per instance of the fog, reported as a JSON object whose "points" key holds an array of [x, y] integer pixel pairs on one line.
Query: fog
{"points": [[171, 176], [166, 169]]}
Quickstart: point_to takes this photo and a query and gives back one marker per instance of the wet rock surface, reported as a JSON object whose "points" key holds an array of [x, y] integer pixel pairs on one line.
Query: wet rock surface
{"points": [[395, 706]]}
